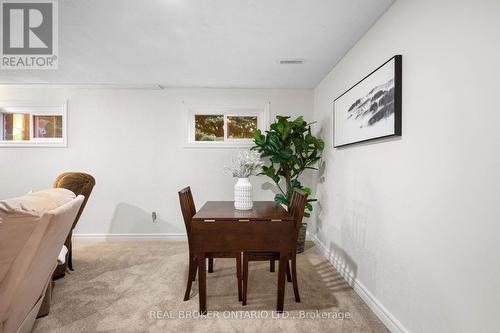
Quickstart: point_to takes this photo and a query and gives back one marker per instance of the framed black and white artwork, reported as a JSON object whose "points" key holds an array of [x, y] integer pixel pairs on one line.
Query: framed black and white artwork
{"points": [[371, 109]]}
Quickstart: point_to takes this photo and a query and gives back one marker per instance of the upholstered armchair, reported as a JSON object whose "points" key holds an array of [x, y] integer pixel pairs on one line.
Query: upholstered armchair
{"points": [[80, 184]]}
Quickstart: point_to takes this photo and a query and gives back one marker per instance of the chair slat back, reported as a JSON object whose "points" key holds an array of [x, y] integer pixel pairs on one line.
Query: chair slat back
{"points": [[78, 183], [296, 209], [188, 208]]}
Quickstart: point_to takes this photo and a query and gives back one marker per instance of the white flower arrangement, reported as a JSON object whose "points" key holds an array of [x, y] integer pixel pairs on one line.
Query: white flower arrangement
{"points": [[245, 164]]}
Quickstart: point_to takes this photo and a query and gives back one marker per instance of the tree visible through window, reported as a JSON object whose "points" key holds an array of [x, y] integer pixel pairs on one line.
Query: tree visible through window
{"points": [[209, 127], [241, 127], [224, 126]]}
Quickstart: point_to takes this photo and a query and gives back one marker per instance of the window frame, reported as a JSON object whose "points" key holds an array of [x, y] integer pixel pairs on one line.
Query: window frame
{"points": [[35, 109], [261, 112]]}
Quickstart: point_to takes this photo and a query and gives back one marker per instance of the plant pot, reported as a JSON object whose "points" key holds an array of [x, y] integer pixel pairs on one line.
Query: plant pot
{"points": [[243, 194], [301, 240]]}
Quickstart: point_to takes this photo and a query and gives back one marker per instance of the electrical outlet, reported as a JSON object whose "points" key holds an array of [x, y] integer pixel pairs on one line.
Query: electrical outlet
{"points": [[154, 216]]}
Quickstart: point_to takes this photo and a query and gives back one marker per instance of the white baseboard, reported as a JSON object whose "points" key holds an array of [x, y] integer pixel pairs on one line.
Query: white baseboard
{"points": [[382, 313], [104, 237]]}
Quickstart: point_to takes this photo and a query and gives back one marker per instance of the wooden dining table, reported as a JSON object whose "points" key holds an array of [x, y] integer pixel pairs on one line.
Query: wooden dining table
{"points": [[219, 227]]}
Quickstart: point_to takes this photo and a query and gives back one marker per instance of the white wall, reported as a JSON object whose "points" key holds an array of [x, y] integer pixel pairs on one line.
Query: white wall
{"points": [[416, 220], [132, 142]]}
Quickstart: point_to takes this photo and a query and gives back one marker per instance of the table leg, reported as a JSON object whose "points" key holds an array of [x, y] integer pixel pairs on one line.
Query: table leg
{"points": [[281, 282], [202, 282]]}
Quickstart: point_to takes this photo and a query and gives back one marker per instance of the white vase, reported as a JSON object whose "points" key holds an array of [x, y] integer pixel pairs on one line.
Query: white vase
{"points": [[243, 194]]}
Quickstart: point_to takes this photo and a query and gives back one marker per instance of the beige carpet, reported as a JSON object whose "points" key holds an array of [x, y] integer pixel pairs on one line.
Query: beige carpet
{"points": [[125, 286]]}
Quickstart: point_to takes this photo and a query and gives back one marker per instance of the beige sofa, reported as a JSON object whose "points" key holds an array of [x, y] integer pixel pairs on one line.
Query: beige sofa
{"points": [[32, 231]]}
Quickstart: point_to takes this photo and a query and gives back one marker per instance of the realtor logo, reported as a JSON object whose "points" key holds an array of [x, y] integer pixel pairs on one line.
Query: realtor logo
{"points": [[29, 34]]}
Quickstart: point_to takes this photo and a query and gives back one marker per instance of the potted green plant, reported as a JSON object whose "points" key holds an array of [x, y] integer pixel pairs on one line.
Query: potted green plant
{"points": [[289, 148]]}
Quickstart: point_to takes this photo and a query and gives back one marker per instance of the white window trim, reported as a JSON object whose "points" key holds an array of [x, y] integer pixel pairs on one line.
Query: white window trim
{"points": [[36, 109], [262, 113]]}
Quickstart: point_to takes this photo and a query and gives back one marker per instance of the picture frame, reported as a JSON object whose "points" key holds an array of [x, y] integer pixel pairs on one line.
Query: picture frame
{"points": [[372, 108]]}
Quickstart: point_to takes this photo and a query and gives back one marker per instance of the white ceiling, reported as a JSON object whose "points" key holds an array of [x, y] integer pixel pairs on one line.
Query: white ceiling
{"points": [[203, 43]]}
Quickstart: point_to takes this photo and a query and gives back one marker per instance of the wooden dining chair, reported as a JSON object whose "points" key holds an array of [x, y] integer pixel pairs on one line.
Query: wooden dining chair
{"points": [[296, 209], [188, 210], [78, 183]]}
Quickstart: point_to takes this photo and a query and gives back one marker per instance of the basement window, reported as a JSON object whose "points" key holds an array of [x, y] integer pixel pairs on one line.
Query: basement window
{"points": [[224, 126], [32, 125]]}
